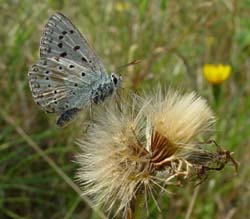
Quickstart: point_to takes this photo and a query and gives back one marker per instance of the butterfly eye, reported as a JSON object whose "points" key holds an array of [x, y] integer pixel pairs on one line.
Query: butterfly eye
{"points": [[115, 80]]}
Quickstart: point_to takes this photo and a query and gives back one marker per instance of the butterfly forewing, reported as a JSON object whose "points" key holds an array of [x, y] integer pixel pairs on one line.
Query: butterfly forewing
{"points": [[62, 39]]}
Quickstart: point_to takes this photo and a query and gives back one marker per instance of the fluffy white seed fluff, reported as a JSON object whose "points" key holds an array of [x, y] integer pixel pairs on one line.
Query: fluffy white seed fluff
{"points": [[180, 118], [123, 149]]}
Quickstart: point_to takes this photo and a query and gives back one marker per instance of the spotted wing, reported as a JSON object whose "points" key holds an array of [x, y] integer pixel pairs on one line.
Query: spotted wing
{"points": [[60, 84], [62, 39]]}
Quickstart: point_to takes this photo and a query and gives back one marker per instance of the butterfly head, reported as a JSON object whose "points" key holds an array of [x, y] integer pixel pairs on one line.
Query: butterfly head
{"points": [[116, 79]]}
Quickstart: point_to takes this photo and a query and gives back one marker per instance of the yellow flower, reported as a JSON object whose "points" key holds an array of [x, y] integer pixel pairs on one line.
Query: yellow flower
{"points": [[122, 6], [216, 74]]}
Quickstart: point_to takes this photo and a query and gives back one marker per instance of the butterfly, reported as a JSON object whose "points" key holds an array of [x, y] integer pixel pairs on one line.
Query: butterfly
{"points": [[69, 75]]}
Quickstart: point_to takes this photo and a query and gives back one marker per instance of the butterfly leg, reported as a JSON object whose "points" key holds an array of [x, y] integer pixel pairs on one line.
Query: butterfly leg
{"points": [[91, 111], [117, 98], [91, 117], [66, 117]]}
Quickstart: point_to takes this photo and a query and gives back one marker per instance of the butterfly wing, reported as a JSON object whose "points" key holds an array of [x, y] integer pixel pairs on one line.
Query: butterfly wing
{"points": [[63, 79], [59, 84], [62, 39]]}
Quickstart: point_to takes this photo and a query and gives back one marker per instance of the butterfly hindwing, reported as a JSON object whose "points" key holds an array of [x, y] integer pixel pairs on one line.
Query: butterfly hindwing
{"points": [[66, 117], [59, 84]]}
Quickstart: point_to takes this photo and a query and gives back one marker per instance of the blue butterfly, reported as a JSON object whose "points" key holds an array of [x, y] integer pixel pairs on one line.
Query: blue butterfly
{"points": [[69, 75]]}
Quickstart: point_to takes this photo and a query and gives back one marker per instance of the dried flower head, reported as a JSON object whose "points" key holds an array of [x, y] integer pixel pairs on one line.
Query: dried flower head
{"points": [[180, 119], [133, 148]]}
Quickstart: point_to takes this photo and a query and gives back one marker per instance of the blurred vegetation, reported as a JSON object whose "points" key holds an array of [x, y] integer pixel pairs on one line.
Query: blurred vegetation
{"points": [[174, 39]]}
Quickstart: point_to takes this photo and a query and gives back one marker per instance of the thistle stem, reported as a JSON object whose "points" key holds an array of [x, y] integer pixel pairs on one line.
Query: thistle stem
{"points": [[138, 209], [217, 93]]}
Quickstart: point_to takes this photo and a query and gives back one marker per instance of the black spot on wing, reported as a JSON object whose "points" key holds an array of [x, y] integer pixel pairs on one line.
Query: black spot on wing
{"points": [[84, 59], [76, 48], [63, 54], [60, 45]]}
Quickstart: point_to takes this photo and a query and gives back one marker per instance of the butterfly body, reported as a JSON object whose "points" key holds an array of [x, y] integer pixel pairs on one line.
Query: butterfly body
{"points": [[68, 75], [105, 89]]}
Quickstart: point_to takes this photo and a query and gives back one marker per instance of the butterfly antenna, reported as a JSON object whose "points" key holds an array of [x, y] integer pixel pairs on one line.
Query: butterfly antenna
{"points": [[134, 62]]}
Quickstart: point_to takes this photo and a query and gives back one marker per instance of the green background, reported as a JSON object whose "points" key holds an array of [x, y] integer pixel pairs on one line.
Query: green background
{"points": [[174, 39]]}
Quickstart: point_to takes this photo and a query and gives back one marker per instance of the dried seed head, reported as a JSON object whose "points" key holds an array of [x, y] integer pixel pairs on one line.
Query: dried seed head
{"points": [[134, 147], [114, 163], [180, 118]]}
